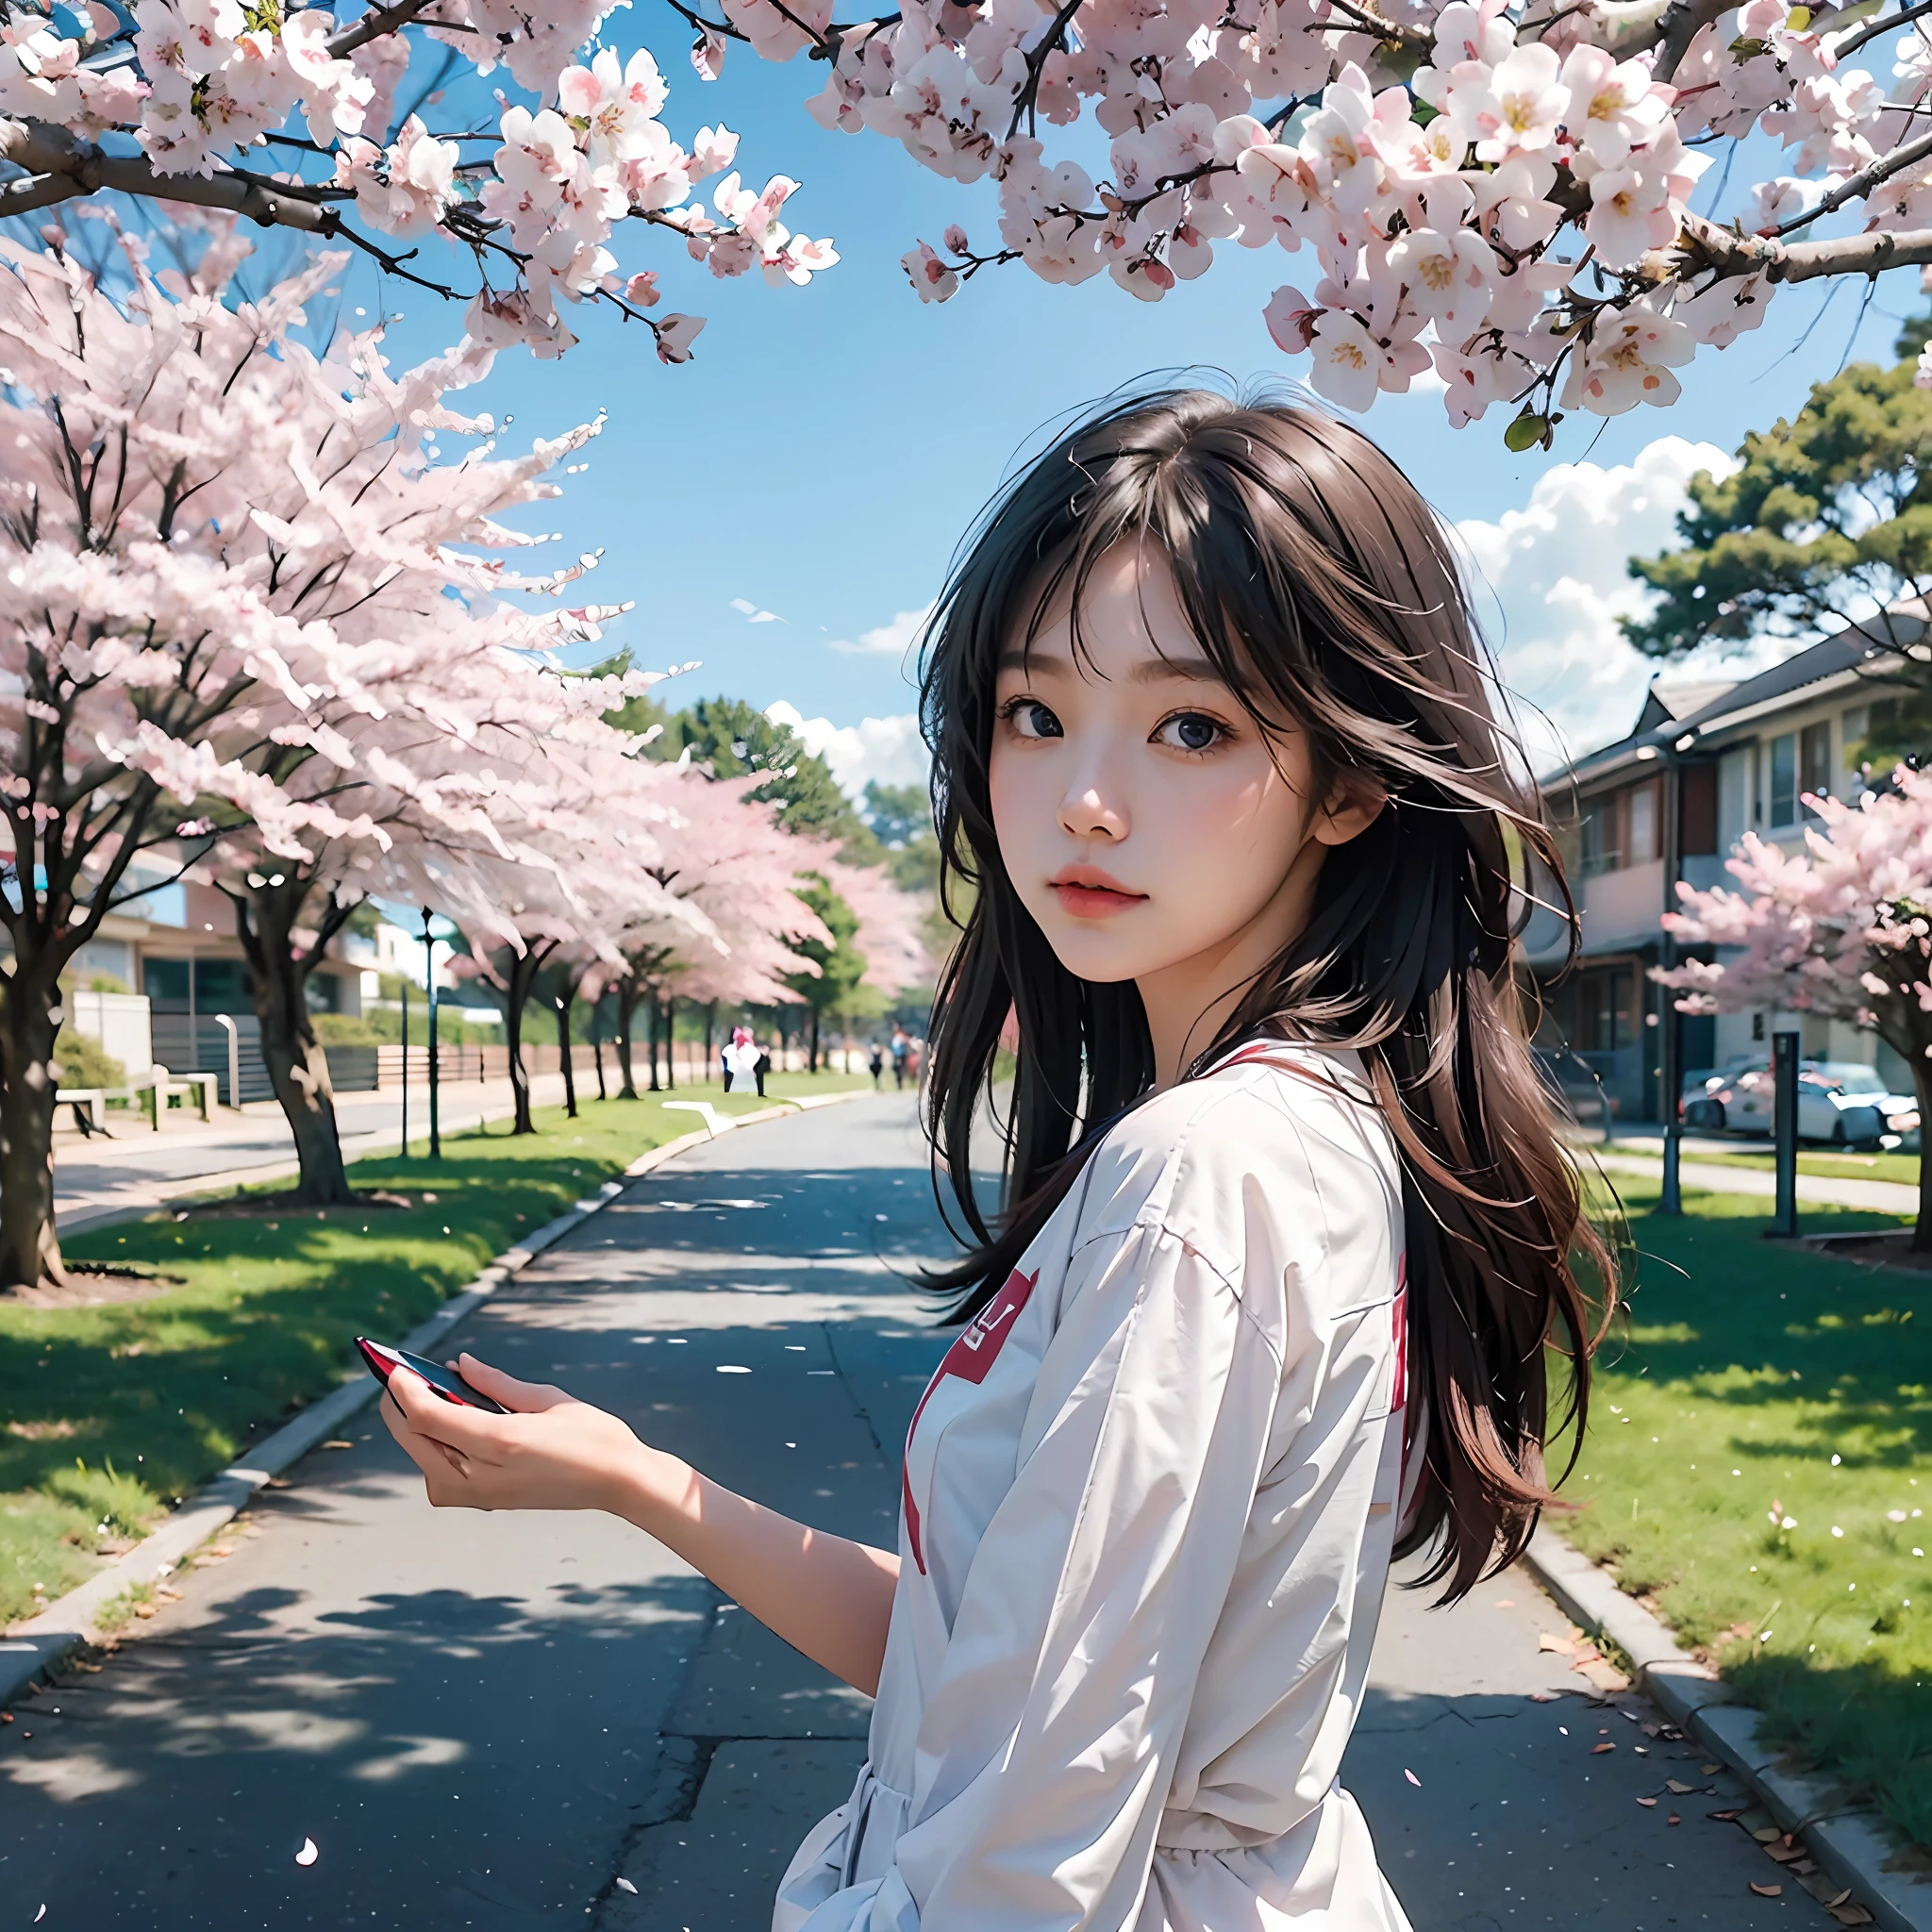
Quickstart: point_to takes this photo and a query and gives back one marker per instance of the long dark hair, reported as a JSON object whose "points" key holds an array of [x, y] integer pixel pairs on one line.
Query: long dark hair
{"points": [[1324, 591]]}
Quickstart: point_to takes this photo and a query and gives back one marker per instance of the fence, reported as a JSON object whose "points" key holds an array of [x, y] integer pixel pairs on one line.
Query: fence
{"points": [[228, 1045]]}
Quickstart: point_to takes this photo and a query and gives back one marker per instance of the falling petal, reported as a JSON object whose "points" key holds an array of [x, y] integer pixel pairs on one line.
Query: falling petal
{"points": [[40, 1915], [1412, 1777], [308, 1854], [624, 1885]]}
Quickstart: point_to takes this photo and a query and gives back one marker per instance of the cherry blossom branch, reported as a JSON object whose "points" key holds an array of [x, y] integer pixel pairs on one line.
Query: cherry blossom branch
{"points": [[60, 165], [1417, 40], [1732, 255], [373, 26], [1878, 29], [1679, 25], [1027, 99], [693, 18], [1856, 187]]}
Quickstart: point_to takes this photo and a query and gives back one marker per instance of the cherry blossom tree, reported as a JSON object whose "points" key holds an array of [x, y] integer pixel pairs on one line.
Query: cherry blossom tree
{"points": [[728, 859], [1496, 193], [541, 141], [1843, 929], [253, 631]]}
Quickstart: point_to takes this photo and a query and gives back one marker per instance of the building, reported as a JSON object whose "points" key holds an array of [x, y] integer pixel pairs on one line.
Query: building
{"points": [[177, 945], [1723, 758]]}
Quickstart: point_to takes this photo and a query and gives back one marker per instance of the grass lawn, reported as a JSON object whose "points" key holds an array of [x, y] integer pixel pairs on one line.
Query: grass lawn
{"points": [[111, 1413], [1753, 1385]]}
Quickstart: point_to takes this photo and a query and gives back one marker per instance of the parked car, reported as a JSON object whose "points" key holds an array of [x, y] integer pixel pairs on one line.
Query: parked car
{"points": [[1839, 1101]]}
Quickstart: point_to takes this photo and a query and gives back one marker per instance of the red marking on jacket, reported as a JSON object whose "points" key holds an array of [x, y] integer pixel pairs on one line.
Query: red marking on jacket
{"points": [[1399, 1388], [971, 1356]]}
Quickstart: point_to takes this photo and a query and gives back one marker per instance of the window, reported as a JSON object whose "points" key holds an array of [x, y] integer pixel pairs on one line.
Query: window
{"points": [[1814, 761], [1642, 806], [1605, 1017], [165, 982], [1784, 780], [1602, 843]]}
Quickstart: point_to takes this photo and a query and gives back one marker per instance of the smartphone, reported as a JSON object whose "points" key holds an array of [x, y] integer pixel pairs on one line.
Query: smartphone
{"points": [[381, 1358]]}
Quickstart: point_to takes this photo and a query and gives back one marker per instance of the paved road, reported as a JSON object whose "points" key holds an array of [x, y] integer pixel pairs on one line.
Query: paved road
{"points": [[502, 1723]]}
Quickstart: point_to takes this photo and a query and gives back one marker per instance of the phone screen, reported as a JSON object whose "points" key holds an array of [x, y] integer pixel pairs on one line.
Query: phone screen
{"points": [[381, 1358]]}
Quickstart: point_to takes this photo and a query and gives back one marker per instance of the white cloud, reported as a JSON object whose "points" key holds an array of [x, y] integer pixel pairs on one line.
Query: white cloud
{"points": [[1558, 571], [751, 611], [887, 749], [890, 639]]}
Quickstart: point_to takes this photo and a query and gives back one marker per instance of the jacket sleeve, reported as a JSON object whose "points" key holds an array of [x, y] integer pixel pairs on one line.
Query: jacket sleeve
{"points": [[1046, 1751]]}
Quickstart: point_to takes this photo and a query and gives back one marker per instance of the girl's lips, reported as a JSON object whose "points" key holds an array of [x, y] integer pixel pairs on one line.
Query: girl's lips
{"points": [[1094, 902]]}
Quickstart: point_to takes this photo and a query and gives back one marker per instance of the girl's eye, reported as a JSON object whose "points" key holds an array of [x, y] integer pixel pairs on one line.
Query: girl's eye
{"points": [[1192, 731], [1031, 719]]}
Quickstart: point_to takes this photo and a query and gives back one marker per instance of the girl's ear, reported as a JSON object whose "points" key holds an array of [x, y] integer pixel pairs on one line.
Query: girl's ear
{"points": [[1355, 801]]}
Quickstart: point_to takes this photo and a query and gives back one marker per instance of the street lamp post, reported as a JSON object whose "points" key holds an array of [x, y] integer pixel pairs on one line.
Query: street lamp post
{"points": [[429, 993]]}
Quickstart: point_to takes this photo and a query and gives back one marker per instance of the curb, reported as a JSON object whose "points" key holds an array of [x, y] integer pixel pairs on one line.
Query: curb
{"points": [[38, 1646], [1846, 1841]]}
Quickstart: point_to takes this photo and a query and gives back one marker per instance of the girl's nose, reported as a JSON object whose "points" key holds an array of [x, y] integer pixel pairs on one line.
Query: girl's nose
{"points": [[1088, 811]]}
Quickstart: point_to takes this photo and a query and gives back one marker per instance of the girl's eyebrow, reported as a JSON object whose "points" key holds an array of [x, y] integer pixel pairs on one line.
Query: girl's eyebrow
{"points": [[1150, 670]]}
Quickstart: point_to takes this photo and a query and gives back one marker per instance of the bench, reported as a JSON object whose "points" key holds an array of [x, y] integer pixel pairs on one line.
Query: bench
{"points": [[90, 1105], [202, 1090]]}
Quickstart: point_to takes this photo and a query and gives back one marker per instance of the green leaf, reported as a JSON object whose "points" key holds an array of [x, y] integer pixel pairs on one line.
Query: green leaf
{"points": [[1525, 433]]}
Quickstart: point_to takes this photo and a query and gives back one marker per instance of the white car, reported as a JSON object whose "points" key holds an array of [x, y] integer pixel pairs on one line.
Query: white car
{"points": [[1838, 1101]]}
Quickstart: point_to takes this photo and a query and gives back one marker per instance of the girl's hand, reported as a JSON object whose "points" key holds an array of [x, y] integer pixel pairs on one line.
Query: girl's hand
{"points": [[551, 1452]]}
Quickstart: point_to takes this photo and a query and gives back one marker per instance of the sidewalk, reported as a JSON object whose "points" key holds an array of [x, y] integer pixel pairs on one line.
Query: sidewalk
{"points": [[97, 1181], [1826, 1191], [512, 1721]]}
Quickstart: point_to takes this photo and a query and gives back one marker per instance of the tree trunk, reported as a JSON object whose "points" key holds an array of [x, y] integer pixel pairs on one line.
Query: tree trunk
{"points": [[651, 1045], [30, 1026], [711, 1028], [523, 970], [297, 1068], [671, 1043], [597, 1054], [565, 1000], [626, 1018], [811, 1057]]}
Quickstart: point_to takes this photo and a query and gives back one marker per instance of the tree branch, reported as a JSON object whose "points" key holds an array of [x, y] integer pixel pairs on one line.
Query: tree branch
{"points": [[372, 26], [60, 165], [1878, 29], [1679, 26], [1024, 101], [1731, 255], [1418, 40], [1856, 187]]}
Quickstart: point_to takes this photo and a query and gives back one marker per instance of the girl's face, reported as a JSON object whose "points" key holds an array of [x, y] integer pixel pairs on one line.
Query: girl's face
{"points": [[1150, 826]]}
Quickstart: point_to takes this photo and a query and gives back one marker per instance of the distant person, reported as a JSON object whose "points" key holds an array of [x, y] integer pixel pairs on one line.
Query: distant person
{"points": [[902, 1052], [878, 1062], [761, 1066], [1294, 1273]]}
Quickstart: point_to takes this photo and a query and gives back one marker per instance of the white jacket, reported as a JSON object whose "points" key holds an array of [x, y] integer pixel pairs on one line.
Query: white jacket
{"points": [[1148, 1504]]}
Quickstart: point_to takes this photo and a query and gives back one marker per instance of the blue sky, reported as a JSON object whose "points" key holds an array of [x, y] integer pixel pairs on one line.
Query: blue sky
{"points": [[821, 457]]}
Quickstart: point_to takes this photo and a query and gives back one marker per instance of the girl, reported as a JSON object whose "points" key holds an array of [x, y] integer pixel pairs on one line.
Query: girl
{"points": [[1285, 1235]]}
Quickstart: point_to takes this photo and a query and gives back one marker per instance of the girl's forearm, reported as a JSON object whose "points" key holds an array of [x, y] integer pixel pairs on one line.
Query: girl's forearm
{"points": [[824, 1595]]}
